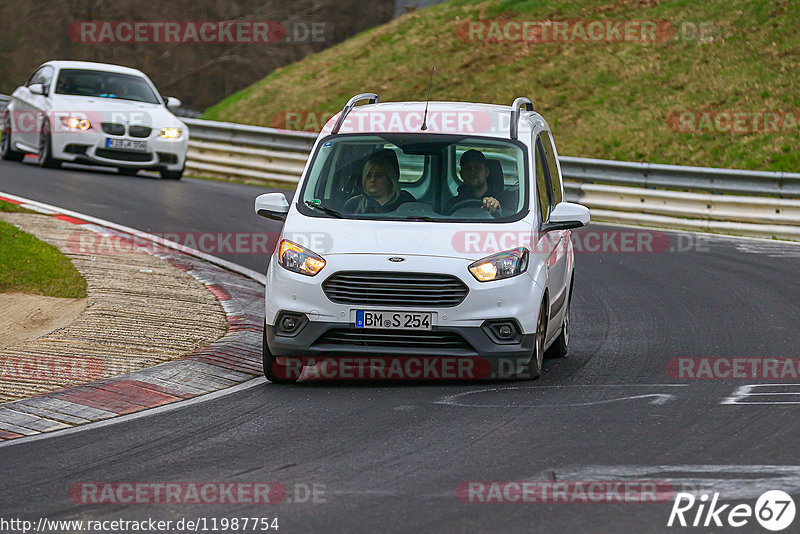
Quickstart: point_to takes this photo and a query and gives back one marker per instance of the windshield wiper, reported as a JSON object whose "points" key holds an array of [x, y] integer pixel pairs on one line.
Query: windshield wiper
{"points": [[419, 218], [324, 209]]}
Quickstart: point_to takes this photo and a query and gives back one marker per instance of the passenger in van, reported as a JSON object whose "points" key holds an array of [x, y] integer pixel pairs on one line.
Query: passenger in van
{"points": [[480, 185], [380, 185]]}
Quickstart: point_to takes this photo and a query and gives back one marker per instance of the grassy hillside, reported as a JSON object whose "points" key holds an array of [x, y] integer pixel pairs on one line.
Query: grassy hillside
{"points": [[197, 73], [602, 99]]}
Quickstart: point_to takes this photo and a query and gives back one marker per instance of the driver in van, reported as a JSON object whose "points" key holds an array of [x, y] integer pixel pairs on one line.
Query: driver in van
{"points": [[475, 174], [380, 183]]}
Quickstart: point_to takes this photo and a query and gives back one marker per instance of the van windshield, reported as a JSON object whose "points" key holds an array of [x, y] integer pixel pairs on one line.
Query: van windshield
{"points": [[416, 177]]}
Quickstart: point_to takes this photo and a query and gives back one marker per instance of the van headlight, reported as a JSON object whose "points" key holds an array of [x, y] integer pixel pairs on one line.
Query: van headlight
{"points": [[501, 265], [293, 257]]}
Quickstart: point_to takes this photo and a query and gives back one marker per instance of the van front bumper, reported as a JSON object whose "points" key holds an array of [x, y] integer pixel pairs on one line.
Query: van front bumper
{"points": [[323, 339]]}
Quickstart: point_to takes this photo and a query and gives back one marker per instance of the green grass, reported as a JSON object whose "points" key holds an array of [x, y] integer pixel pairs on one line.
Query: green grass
{"points": [[603, 100], [9, 207], [28, 265]]}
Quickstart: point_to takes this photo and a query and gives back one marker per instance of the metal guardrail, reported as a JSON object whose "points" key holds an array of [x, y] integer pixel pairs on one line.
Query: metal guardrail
{"points": [[769, 217], [4, 101], [242, 134], [659, 176]]}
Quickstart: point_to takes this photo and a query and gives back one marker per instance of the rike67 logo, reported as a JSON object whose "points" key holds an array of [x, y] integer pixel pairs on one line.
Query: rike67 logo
{"points": [[774, 511]]}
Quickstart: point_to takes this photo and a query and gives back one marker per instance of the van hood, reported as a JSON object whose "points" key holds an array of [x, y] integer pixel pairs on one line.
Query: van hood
{"points": [[468, 241]]}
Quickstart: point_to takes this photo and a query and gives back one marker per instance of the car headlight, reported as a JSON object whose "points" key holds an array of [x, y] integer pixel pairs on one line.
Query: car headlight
{"points": [[170, 133], [299, 259], [501, 265], [75, 123]]}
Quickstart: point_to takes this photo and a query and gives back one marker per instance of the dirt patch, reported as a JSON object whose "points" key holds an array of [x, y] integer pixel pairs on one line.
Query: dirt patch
{"points": [[27, 317]]}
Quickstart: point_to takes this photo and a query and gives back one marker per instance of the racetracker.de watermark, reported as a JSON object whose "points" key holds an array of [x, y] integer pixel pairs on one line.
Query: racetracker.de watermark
{"points": [[50, 368], [586, 31], [198, 31], [583, 491], [73, 121], [583, 241], [385, 368], [478, 242], [209, 492], [91, 243], [733, 121], [732, 368], [393, 120]]}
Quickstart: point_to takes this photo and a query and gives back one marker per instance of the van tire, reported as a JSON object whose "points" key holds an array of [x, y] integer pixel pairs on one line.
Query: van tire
{"points": [[273, 371], [560, 346], [534, 370]]}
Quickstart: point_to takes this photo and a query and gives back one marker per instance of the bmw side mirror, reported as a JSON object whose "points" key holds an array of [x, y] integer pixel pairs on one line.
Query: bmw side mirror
{"points": [[173, 102], [36, 89], [272, 206]]}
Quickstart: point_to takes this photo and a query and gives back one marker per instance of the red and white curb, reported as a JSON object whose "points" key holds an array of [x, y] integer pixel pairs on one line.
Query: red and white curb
{"points": [[233, 359]]}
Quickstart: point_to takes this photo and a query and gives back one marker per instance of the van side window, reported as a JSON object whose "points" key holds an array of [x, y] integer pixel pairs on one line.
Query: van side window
{"points": [[542, 185], [552, 166]]}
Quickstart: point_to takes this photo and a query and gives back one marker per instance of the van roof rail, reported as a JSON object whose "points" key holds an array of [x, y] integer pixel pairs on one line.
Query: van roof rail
{"points": [[372, 97], [515, 113]]}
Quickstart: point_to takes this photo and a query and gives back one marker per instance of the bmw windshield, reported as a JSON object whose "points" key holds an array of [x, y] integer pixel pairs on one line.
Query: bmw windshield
{"points": [[416, 177], [95, 83]]}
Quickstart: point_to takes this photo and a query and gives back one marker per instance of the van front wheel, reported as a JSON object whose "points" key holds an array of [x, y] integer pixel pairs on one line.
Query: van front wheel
{"points": [[537, 357], [273, 371], [560, 346]]}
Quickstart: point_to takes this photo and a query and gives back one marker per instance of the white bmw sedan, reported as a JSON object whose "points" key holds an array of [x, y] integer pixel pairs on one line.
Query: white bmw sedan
{"points": [[94, 113]]}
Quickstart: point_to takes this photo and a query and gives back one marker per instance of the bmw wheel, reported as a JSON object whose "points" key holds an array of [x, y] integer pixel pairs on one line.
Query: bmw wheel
{"points": [[7, 151], [46, 158]]}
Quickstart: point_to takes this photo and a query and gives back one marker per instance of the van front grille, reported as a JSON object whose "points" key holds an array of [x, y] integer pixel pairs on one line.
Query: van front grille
{"points": [[395, 289]]}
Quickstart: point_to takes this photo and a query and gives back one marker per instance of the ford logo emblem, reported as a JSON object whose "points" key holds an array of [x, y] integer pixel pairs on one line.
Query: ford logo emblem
{"points": [[396, 259]]}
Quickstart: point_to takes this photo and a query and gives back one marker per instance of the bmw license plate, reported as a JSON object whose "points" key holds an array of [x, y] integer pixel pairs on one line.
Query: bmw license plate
{"points": [[127, 144], [393, 320]]}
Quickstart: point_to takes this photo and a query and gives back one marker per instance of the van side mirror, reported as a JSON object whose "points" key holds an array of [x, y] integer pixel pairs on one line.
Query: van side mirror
{"points": [[567, 215], [36, 89], [272, 206]]}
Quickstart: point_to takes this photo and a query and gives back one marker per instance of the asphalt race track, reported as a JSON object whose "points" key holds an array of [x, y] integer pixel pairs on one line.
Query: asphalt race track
{"points": [[390, 456]]}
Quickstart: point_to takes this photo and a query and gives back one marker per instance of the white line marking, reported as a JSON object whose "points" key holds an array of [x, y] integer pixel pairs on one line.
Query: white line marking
{"points": [[138, 415], [660, 398], [744, 392], [753, 480]]}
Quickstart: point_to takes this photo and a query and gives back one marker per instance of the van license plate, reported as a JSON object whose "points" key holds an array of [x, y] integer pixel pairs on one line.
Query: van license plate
{"points": [[393, 320]]}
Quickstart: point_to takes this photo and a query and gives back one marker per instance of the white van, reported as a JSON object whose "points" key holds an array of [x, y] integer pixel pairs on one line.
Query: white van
{"points": [[435, 230]]}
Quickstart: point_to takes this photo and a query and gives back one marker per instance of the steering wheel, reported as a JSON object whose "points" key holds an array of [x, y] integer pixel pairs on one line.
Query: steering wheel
{"points": [[466, 203]]}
